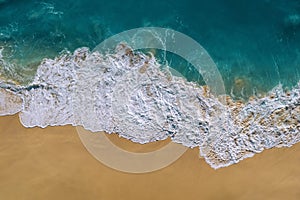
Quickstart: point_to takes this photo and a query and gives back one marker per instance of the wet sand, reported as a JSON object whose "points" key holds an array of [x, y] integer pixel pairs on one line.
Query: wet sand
{"points": [[52, 163]]}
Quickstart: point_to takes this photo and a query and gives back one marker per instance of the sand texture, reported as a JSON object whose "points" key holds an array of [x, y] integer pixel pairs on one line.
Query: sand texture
{"points": [[52, 163]]}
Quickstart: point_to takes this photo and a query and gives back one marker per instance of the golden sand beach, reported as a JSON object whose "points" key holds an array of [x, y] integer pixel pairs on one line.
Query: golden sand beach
{"points": [[52, 163]]}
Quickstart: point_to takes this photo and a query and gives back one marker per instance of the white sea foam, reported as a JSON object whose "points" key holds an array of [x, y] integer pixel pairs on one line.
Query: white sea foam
{"points": [[128, 93], [9, 103]]}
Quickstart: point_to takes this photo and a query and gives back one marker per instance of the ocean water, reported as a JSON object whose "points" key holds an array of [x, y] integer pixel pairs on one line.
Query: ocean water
{"points": [[49, 75], [254, 43]]}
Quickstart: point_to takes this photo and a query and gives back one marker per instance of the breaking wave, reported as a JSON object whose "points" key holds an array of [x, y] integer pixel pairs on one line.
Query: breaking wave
{"points": [[129, 93]]}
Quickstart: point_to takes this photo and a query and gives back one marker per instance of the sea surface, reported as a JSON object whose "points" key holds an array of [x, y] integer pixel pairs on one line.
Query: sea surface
{"points": [[254, 43], [51, 77]]}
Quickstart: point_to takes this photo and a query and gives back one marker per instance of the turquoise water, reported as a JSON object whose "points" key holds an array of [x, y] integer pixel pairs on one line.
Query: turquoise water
{"points": [[255, 44]]}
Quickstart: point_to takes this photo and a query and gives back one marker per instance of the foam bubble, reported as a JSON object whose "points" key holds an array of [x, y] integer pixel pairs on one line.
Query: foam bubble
{"points": [[128, 93]]}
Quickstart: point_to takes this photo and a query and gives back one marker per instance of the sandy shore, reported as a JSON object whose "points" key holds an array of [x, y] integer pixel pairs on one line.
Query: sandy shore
{"points": [[52, 163]]}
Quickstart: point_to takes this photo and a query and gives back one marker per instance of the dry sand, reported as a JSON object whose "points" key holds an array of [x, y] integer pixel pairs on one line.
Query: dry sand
{"points": [[52, 163]]}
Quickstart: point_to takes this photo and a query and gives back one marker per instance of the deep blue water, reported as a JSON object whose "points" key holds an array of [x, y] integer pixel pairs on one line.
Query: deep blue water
{"points": [[255, 44]]}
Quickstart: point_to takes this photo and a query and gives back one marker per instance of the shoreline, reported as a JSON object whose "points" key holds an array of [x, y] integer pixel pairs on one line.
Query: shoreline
{"points": [[191, 114]]}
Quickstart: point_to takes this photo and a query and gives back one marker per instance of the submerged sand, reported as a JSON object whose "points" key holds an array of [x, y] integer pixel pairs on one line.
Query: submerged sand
{"points": [[52, 163]]}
